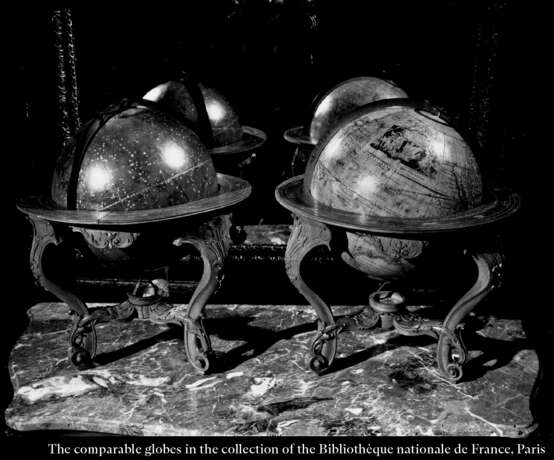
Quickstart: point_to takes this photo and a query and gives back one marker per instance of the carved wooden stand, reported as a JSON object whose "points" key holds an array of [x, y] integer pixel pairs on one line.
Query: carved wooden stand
{"points": [[212, 241], [386, 306]]}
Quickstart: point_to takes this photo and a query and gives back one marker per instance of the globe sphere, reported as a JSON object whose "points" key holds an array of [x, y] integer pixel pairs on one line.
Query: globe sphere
{"points": [[345, 97], [393, 159], [139, 158], [133, 159], [178, 98]]}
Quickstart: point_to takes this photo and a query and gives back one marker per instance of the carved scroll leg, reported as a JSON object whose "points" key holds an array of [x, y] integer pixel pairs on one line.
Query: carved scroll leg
{"points": [[212, 241], [307, 235], [83, 336], [451, 352]]}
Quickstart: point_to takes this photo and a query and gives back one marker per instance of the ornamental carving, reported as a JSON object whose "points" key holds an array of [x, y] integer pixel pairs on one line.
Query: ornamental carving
{"points": [[104, 239]]}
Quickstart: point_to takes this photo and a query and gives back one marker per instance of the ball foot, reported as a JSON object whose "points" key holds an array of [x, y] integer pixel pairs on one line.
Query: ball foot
{"points": [[318, 364], [82, 360]]}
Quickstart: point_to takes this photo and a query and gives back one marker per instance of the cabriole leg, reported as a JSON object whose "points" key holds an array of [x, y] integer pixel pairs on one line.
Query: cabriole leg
{"points": [[451, 352], [212, 241], [83, 336], [305, 236]]}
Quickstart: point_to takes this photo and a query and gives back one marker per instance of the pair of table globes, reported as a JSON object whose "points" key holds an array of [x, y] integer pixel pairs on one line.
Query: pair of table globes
{"points": [[389, 184]]}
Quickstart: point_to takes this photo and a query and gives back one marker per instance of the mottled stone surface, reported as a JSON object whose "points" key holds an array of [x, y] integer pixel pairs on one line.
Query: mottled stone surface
{"points": [[383, 384]]}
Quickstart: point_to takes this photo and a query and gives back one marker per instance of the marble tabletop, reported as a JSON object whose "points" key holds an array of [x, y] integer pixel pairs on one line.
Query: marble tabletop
{"points": [[382, 385]]}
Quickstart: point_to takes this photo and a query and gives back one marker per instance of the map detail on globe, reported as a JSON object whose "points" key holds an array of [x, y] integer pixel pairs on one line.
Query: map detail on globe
{"points": [[395, 161]]}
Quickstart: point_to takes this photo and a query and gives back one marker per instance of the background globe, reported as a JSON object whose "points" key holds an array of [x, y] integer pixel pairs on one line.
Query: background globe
{"points": [[393, 160], [176, 97], [347, 96]]}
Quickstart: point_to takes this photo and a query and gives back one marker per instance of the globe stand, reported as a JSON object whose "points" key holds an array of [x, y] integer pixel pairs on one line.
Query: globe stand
{"points": [[386, 306], [236, 165], [211, 239]]}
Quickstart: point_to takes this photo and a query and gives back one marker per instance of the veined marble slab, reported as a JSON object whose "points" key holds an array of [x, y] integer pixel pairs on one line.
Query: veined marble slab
{"points": [[383, 385]]}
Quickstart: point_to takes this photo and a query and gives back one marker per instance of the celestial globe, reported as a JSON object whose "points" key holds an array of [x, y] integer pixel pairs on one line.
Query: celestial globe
{"points": [[140, 158], [130, 162], [133, 186], [210, 113]]}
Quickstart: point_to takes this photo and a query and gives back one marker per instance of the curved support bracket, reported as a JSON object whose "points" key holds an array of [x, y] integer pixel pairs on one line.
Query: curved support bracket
{"points": [[451, 352], [212, 240], [305, 236], [83, 336]]}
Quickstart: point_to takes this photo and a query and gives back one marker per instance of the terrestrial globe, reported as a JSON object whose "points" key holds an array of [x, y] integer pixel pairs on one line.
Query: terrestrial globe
{"points": [[332, 105], [211, 114], [397, 192], [392, 168]]}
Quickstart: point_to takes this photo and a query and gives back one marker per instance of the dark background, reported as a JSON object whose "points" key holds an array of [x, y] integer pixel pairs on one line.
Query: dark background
{"points": [[479, 60], [270, 58]]}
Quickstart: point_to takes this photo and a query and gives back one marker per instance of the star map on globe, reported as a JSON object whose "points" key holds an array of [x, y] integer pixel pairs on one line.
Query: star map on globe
{"points": [[140, 158]]}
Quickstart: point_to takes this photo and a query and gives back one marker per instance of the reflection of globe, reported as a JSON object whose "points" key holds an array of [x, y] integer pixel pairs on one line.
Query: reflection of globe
{"points": [[211, 116], [347, 96], [139, 159], [178, 98], [392, 159]]}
